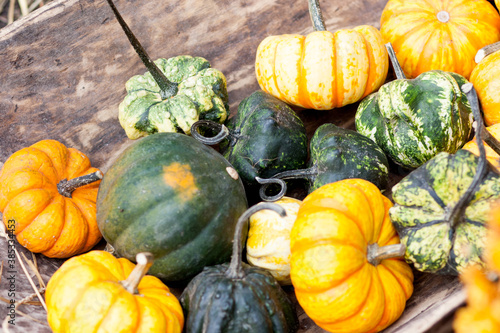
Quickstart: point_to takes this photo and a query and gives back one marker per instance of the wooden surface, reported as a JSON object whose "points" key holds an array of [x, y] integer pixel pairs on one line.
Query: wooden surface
{"points": [[62, 75]]}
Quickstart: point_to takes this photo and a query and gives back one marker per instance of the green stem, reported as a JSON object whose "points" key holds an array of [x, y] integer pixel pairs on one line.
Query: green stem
{"points": [[144, 261], [221, 135], [66, 187], [235, 269], [400, 75], [278, 178], [316, 16], [458, 211], [167, 88], [486, 51]]}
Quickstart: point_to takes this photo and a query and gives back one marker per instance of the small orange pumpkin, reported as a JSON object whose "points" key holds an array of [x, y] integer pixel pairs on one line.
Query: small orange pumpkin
{"points": [[437, 34], [95, 292], [322, 70], [486, 80], [343, 264], [48, 199]]}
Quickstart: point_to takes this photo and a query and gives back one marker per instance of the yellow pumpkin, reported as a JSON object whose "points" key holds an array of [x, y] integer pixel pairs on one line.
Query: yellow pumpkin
{"points": [[322, 70], [438, 34], [268, 243], [48, 199], [97, 291], [486, 80], [344, 267], [491, 156]]}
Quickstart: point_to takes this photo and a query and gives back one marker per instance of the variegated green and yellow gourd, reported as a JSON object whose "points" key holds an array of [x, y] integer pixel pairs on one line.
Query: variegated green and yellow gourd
{"points": [[322, 70], [172, 95]]}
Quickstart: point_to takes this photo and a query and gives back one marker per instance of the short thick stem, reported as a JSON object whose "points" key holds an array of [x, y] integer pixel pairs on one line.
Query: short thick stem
{"points": [[456, 214], [316, 15], [223, 132], [277, 179], [167, 88], [486, 51], [378, 253], [235, 270], [66, 187], [144, 262], [400, 75]]}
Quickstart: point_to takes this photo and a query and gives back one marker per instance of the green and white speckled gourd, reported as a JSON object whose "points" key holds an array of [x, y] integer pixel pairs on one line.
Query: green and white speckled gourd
{"points": [[413, 120], [441, 208], [172, 95], [336, 154]]}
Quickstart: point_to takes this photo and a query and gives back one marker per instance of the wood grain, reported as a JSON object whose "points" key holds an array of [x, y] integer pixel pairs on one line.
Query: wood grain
{"points": [[63, 72]]}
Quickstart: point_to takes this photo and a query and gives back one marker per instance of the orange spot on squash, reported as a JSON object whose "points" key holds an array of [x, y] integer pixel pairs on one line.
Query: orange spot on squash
{"points": [[179, 177]]}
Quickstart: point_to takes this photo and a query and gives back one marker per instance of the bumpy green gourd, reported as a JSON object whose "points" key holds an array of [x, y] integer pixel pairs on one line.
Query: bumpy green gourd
{"points": [[201, 94], [413, 120]]}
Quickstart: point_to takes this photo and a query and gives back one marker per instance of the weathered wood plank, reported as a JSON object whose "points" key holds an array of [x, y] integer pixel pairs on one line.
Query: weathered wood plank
{"points": [[62, 77]]}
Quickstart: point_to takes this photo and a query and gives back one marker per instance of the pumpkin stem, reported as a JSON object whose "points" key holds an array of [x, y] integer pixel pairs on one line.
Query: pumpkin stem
{"points": [[376, 253], [66, 187], [144, 261], [235, 270], [316, 16], [277, 179], [486, 51], [167, 88], [223, 132], [400, 75], [458, 211]]}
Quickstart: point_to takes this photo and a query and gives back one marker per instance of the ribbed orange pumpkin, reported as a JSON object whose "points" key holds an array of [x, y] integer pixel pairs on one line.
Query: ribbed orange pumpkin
{"points": [[322, 70], [486, 80], [95, 292], [439, 34], [47, 213], [491, 156], [341, 267]]}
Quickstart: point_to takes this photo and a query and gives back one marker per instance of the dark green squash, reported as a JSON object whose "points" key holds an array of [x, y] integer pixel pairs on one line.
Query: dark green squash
{"points": [[264, 138], [172, 95], [336, 154], [441, 208], [237, 297], [172, 196], [413, 120]]}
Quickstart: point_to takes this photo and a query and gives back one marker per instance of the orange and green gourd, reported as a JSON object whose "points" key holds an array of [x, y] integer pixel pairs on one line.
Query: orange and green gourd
{"points": [[438, 34], [322, 70], [95, 292], [48, 199], [346, 265]]}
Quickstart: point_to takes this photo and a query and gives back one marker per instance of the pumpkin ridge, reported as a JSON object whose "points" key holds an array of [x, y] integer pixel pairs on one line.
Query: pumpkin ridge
{"points": [[369, 54], [104, 315], [143, 122], [48, 203], [407, 36], [281, 96], [62, 228], [303, 94], [60, 177], [392, 273]]}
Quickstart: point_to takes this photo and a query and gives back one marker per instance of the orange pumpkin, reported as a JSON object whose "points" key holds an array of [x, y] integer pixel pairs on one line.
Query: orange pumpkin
{"points": [[491, 156], [492, 251], [343, 264], [322, 70], [95, 292], [486, 80], [47, 197], [438, 34]]}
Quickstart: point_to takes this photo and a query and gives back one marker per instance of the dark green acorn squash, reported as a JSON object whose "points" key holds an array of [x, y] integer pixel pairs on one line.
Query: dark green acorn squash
{"points": [[441, 208], [172, 95], [264, 138], [237, 297], [413, 120], [172, 196], [336, 154]]}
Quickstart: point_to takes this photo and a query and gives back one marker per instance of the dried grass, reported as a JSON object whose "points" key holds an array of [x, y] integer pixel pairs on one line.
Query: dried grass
{"points": [[11, 10]]}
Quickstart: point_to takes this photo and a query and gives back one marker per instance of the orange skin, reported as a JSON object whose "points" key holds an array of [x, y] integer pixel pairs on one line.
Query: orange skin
{"points": [[334, 282], [85, 295], [486, 80], [45, 221], [424, 40], [491, 156], [322, 70]]}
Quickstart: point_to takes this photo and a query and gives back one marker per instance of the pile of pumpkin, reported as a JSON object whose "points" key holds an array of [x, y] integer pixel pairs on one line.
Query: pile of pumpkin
{"points": [[179, 208]]}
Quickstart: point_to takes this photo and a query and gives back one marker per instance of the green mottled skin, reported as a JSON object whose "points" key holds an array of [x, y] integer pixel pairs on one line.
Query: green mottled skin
{"points": [[201, 95], [423, 201], [213, 302], [138, 211], [339, 153], [268, 138], [413, 120]]}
